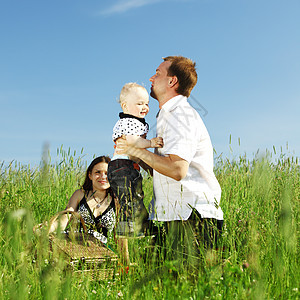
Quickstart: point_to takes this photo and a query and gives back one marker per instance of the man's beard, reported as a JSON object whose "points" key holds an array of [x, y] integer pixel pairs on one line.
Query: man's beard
{"points": [[152, 94]]}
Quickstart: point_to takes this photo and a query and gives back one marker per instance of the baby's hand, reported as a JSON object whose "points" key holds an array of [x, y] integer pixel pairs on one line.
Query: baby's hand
{"points": [[156, 142]]}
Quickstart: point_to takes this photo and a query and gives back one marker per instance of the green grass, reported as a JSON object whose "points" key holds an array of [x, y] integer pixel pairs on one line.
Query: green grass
{"points": [[260, 200]]}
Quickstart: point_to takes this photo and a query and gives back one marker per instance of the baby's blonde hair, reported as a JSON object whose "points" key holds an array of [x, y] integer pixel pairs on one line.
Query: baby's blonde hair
{"points": [[127, 89]]}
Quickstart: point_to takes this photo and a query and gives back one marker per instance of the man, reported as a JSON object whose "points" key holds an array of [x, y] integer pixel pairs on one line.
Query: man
{"points": [[186, 191]]}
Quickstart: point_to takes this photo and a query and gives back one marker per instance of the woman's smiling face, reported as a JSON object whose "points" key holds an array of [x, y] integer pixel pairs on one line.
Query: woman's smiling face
{"points": [[98, 176]]}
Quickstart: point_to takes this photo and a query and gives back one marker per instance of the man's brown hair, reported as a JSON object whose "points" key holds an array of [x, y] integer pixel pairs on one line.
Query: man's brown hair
{"points": [[185, 71]]}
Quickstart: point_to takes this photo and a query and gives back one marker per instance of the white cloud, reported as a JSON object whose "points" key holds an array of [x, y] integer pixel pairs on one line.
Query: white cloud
{"points": [[125, 5]]}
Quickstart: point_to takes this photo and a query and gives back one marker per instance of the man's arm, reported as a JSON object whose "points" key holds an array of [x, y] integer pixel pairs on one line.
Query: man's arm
{"points": [[172, 165], [142, 164]]}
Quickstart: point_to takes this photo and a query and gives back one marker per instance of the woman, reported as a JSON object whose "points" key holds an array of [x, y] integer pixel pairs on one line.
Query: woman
{"points": [[94, 202]]}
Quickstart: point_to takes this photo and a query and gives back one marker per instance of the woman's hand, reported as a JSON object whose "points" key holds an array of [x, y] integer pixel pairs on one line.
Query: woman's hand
{"points": [[38, 228]]}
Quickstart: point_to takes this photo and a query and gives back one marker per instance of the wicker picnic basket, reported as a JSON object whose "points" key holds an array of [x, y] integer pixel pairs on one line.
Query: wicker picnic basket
{"points": [[83, 250]]}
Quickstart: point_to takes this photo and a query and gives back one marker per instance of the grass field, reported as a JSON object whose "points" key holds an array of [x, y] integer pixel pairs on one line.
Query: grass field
{"points": [[260, 200]]}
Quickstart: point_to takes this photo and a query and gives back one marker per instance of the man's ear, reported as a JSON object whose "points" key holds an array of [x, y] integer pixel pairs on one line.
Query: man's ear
{"points": [[173, 81]]}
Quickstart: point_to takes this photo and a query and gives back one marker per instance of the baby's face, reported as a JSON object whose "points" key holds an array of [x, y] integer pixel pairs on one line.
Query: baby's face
{"points": [[136, 103]]}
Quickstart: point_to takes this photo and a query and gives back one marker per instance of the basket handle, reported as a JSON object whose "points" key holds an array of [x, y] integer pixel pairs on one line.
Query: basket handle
{"points": [[66, 211]]}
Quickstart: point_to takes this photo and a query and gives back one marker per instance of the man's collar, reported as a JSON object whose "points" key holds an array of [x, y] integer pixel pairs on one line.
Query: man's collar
{"points": [[173, 102]]}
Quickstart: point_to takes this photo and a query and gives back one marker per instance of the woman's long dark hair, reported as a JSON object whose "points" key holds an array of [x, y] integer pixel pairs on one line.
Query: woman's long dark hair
{"points": [[88, 185]]}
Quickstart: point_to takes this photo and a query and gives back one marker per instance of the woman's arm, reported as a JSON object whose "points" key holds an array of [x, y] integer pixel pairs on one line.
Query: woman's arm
{"points": [[72, 205], [75, 199]]}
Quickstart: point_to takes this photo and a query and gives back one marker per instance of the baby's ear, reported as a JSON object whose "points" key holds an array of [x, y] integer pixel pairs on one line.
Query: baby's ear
{"points": [[123, 105]]}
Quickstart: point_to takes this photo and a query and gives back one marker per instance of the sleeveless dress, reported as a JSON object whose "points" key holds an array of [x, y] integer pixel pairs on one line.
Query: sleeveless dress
{"points": [[99, 226]]}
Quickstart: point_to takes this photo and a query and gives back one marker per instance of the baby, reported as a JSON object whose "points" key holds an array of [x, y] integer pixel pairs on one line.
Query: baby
{"points": [[123, 174]]}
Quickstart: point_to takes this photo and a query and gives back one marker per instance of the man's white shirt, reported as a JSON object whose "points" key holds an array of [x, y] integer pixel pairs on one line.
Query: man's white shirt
{"points": [[185, 135]]}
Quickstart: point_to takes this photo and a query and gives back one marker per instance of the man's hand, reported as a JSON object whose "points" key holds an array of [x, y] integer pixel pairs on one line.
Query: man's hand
{"points": [[121, 145], [170, 165]]}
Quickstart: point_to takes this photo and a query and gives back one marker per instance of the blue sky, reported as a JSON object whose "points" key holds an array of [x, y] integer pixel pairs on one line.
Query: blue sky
{"points": [[63, 63]]}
